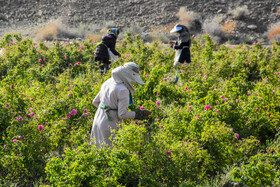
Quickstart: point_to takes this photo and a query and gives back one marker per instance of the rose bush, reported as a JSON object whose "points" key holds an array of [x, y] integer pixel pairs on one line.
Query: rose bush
{"points": [[223, 113]]}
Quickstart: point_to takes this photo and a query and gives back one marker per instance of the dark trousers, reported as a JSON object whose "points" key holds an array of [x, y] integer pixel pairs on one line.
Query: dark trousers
{"points": [[103, 65]]}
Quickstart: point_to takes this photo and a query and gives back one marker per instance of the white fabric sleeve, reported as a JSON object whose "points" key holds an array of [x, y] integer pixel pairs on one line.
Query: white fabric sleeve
{"points": [[123, 102], [96, 100]]}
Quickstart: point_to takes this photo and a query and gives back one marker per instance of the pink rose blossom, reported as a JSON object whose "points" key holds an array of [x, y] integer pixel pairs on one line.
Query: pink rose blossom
{"points": [[19, 137], [190, 107], [207, 107], [5, 146], [40, 60], [218, 112], [157, 102], [165, 79], [74, 112], [31, 99], [68, 115], [168, 152], [147, 76], [40, 127], [141, 107], [186, 88], [7, 104], [197, 118], [236, 136], [78, 63], [85, 114], [14, 140], [150, 64]]}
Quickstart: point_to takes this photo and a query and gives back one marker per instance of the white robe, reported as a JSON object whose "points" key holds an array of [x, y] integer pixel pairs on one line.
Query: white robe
{"points": [[116, 96]]}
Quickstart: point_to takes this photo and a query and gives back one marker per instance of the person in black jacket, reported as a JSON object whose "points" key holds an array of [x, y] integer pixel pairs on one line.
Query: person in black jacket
{"points": [[101, 52], [182, 46]]}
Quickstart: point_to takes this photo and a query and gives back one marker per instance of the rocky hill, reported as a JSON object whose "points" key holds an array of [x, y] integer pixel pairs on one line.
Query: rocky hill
{"points": [[236, 20]]}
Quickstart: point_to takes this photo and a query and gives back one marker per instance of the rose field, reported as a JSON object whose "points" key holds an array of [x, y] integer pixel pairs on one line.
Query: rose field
{"points": [[218, 125]]}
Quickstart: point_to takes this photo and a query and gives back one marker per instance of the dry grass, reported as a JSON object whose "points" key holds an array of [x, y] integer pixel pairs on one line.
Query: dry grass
{"points": [[48, 32], [240, 12], [164, 29], [278, 12], [94, 37], [56, 30], [185, 17], [189, 18], [213, 28], [228, 27], [274, 32]]}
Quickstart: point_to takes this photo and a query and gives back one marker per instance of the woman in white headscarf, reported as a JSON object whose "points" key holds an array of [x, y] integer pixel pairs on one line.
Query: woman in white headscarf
{"points": [[112, 102]]}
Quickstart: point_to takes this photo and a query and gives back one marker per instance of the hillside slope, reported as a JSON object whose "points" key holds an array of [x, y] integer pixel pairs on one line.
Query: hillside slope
{"points": [[23, 15]]}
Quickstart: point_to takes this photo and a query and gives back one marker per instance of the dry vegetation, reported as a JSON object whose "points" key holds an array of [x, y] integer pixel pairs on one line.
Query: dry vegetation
{"points": [[240, 12], [49, 32], [164, 29], [278, 12], [56, 30], [228, 27], [214, 29], [94, 37], [274, 33], [190, 19]]}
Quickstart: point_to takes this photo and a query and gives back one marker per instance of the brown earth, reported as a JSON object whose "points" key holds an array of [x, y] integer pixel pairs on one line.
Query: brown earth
{"points": [[87, 16]]}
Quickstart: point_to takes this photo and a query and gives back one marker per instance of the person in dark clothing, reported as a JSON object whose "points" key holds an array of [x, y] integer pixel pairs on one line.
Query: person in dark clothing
{"points": [[101, 52], [183, 53]]}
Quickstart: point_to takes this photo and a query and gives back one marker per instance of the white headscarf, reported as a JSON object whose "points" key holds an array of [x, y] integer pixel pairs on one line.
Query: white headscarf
{"points": [[127, 74]]}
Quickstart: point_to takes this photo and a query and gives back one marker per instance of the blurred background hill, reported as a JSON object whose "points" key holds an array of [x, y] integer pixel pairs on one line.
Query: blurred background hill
{"points": [[234, 21]]}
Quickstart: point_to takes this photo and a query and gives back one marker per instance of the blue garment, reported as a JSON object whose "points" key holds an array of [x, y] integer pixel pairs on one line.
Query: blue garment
{"points": [[130, 99]]}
